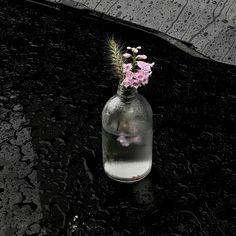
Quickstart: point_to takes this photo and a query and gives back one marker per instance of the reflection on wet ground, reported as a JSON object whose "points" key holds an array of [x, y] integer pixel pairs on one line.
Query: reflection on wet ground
{"points": [[54, 81]]}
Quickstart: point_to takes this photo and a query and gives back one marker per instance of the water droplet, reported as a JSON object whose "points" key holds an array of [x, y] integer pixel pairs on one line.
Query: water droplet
{"points": [[118, 13]]}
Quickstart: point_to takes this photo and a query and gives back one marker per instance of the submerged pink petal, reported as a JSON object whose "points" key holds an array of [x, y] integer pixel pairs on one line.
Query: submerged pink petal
{"points": [[136, 139], [123, 141]]}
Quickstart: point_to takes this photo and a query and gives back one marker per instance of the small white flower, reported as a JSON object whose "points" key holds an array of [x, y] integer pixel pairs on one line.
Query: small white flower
{"points": [[128, 48], [139, 47], [135, 50]]}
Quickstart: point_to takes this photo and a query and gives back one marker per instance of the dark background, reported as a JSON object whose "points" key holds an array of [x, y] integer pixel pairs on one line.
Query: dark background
{"points": [[57, 64]]}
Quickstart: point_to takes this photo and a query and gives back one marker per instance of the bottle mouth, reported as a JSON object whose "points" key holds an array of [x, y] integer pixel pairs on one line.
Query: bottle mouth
{"points": [[126, 92]]}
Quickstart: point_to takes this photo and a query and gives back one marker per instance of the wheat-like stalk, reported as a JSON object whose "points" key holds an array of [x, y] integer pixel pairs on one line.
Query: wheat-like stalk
{"points": [[116, 57]]}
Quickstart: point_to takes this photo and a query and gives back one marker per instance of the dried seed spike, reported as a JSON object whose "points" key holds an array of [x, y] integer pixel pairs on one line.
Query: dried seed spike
{"points": [[116, 57]]}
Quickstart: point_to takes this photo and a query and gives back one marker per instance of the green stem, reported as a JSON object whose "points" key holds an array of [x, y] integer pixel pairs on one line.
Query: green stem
{"points": [[134, 62]]}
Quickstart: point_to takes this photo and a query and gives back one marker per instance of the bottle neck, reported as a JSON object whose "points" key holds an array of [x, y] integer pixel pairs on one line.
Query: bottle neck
{"points": [[126, 93]]}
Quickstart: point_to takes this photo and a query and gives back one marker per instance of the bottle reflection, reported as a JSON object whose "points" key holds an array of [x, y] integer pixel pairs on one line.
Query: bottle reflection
{"points": [[135, 198], [143, 193]]}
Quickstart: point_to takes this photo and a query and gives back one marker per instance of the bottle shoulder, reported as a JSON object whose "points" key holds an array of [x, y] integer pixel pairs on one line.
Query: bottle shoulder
{"points": [[137, 104], [119, 114]]}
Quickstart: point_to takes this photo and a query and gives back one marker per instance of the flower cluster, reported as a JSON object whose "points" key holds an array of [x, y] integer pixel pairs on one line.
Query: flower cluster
{"points": [[136, 72]]}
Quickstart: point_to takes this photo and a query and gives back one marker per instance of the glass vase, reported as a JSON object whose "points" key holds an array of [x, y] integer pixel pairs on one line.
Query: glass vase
{"points": [[127, 133]]}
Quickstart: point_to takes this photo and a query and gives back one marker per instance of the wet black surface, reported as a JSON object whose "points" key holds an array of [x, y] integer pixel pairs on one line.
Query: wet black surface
{"points": [[54, 81]]}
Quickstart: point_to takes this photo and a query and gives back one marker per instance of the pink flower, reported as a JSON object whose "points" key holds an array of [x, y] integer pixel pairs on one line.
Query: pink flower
{"points": [[126, 55], [141, 77], [127, 67], [135, 83], [137, 79], [133, 76], [127, 83], [129, 75], [141, 57], [128, 80], [145, 66]]}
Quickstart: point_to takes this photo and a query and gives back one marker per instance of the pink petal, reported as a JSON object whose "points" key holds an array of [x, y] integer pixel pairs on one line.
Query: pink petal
{"points": [[141, 75], [141, 57], [145, 66], [127, 67], [126, 55]]}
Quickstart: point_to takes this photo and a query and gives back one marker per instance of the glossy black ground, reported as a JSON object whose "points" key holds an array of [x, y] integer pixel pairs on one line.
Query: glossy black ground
{"points": [[54, 73]]}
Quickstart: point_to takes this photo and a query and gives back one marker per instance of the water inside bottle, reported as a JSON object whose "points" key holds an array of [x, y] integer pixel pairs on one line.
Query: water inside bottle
{"points": [[127, 158]]}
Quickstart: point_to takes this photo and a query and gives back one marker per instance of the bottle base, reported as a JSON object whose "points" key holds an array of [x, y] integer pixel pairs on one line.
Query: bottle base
{"points": [[129, 180]]}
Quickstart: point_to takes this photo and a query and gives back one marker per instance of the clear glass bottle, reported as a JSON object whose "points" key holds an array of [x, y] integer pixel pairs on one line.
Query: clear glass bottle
{"points": [[127, 133]]}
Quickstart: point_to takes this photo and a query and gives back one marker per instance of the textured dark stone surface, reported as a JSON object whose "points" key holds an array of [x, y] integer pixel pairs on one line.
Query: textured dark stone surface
{"points": [[54, 82]]}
